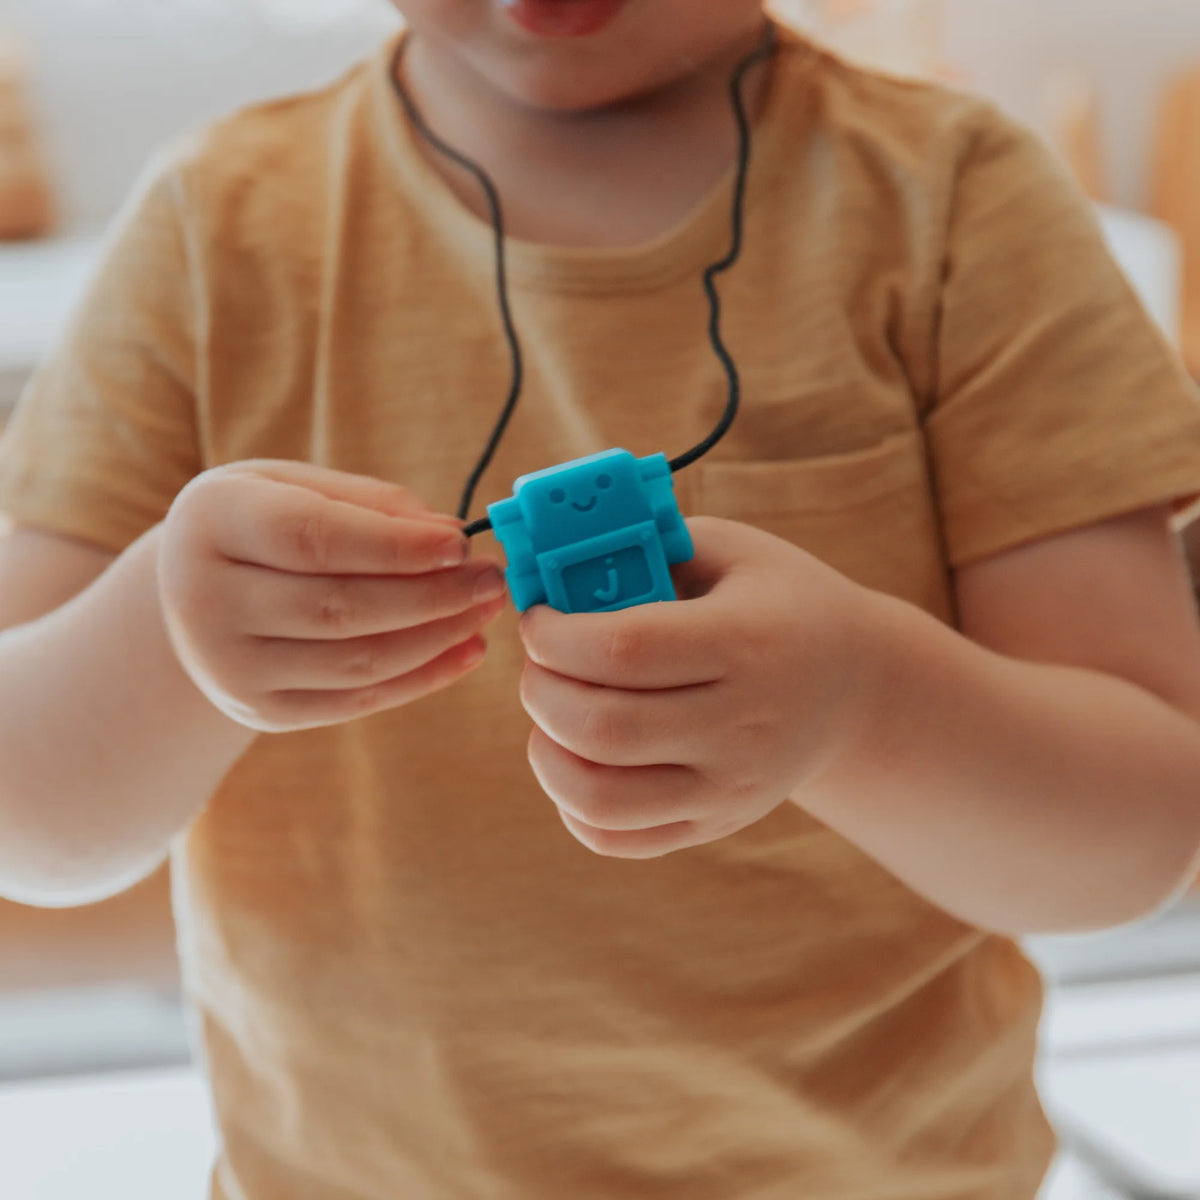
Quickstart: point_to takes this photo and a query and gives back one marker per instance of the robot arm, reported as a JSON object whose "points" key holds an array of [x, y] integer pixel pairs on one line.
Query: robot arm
{"points": [[660, 492], [524, 578]]}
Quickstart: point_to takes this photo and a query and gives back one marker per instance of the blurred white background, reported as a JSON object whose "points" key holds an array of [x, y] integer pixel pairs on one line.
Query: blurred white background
{"points": [[115, 78], [1011, 49]]}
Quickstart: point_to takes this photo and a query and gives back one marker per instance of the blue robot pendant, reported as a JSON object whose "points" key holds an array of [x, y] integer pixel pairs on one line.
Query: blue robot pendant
{"points": [[594, 535]]}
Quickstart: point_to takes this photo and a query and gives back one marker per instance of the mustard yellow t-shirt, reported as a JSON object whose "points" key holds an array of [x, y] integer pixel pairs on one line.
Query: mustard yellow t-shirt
{"points": [[412, 983]]}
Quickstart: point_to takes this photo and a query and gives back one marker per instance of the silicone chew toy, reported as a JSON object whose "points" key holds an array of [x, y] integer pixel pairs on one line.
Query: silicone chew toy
{"points": [[593, 535]]}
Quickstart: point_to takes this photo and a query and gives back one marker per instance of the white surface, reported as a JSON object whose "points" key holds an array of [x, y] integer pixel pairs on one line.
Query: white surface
{"points": [[1069, 1179], [114, 79], [1167, 943], [40, 283], [1129, 48], [84, 1030], [1123, 1016], [1142, 1109], [1152, 258], [1121, 1069], [131, 1137]]}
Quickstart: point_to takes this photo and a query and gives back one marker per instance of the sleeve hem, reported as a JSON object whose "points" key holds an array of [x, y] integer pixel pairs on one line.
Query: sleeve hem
{"points": [[1043, 517], [94, 524]]}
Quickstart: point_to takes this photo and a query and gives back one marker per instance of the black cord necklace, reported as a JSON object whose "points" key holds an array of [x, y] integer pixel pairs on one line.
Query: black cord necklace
{"points": [[496, 213]]}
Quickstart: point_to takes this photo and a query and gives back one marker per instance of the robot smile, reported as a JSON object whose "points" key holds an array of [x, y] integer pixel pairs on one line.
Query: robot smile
{"points": [[585, 507]]}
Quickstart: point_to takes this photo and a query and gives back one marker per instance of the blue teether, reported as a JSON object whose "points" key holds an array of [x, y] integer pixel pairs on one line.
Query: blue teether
{"points": [[594, 535]]}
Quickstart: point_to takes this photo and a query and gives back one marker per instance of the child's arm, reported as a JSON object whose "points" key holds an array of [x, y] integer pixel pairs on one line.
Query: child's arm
{"points": [[1050, 782], [274, 597], [107, 749]]}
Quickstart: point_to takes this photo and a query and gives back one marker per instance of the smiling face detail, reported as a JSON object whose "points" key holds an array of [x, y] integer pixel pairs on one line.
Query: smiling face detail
{"points": [[583, 499], [603, 483]]}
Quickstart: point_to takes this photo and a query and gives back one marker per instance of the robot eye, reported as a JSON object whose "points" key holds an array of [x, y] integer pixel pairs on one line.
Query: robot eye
{"points": [[604, 482], [557, 496]]}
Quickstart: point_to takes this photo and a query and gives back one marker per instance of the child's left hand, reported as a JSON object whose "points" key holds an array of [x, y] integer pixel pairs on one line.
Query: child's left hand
{"points": [[672, 725]]}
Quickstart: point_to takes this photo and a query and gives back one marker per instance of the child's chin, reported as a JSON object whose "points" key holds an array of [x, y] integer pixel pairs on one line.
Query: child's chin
{"points": [[578, 91]]}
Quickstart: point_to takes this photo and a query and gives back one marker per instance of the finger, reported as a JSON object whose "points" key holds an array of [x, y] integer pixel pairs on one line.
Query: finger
{"points": [[279, 604], [391, 499], [308, 709], [637, 845], [292, 528], [286, 665], [617, 798], [650, 647], [618, 727]]}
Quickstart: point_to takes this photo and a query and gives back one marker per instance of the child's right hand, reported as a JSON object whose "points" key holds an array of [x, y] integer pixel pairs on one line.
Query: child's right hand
{"points": [[297, 596]]}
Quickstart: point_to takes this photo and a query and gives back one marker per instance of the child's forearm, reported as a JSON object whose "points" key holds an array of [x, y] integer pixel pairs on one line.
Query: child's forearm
{"points": [[1022, 798], [107, 749]]}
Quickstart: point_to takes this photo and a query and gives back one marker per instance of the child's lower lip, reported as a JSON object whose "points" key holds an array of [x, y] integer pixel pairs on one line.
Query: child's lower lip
{"points": [[563, 18]]}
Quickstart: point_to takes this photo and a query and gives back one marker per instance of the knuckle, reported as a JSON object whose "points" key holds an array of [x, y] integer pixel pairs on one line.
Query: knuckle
{"points": [[352, 704], [760, 647], [366, 662], [744, 783], [402, 498], [365, 700], [335, 610], [601, 728], [748, 785], [311, 536], [623, 650], [754, 731]]}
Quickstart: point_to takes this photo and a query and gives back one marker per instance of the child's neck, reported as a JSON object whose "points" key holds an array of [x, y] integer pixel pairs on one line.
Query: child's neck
{"points": [[619, 176]]}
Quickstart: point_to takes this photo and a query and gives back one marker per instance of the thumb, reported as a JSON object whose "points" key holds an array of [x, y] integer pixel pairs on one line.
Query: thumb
{"points": [[722, 549]]}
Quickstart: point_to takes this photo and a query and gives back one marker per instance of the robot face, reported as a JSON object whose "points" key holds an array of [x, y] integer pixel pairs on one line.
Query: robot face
{"points": [[584, 498], [602, 483]]}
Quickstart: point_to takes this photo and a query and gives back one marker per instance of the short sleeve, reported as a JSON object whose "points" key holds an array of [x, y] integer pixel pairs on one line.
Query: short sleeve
{"points": [[104, 437], [1058, 400]]}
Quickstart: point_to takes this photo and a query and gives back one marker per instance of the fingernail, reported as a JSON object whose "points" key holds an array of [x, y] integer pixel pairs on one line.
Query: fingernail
{"points": [[453, 554], [488, 585]]}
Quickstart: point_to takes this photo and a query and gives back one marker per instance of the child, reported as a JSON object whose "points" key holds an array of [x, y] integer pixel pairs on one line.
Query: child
{"points": [[934, 680]]}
